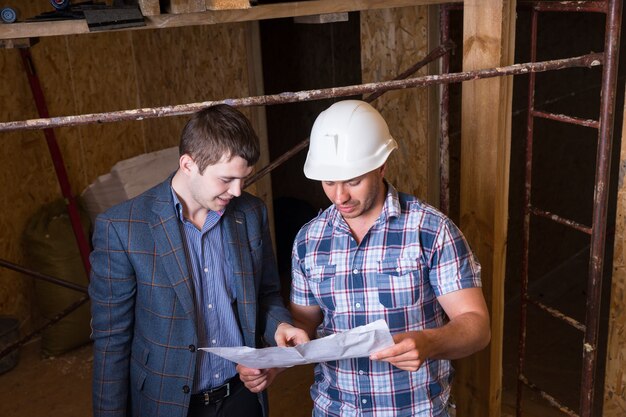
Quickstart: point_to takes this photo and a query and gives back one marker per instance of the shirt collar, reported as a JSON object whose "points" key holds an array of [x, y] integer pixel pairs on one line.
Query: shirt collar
{"points": [[391, 209], [212, 217]]}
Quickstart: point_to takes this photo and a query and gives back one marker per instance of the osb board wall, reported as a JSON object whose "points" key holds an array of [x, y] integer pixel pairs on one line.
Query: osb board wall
{"points": [[615, 377], [99, 73], [393, 40]]}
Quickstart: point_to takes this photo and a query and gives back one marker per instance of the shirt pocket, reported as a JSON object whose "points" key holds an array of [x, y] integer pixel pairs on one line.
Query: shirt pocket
{"points": [[322, 281], [398, 281]]}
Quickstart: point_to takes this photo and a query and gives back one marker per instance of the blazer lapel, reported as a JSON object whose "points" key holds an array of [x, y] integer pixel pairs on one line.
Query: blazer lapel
{"points": [[169, 245], [238, 254]]}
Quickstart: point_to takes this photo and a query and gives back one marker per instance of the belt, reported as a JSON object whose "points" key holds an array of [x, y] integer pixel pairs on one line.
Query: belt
{"points": [[215, 395]]}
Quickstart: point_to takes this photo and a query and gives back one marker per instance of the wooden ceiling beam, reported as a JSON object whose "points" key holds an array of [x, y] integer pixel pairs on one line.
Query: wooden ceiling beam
{"points": [[211, 17]]}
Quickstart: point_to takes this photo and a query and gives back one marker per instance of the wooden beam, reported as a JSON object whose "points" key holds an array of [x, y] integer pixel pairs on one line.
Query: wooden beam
{"points": [[227, 4], [184, 6], [322, 18], [488, 41], [211, 17], [615, 376]]}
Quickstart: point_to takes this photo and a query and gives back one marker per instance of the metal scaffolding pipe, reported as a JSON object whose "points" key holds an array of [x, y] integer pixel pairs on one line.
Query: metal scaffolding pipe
{"points": [[436, 53], [75, 305], [600, 206], [588, 60], [444, 117], [43, 277]]}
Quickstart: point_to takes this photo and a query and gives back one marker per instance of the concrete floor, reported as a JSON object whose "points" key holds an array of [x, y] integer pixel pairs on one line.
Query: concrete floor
{"points": [[61, 387]]}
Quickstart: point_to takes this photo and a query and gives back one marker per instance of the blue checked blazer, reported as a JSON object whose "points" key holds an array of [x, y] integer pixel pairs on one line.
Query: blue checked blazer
{"points": [[143, 317]]}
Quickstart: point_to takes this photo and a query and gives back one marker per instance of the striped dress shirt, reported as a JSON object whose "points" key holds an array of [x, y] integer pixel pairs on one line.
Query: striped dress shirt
{"points": [[214, 293]]}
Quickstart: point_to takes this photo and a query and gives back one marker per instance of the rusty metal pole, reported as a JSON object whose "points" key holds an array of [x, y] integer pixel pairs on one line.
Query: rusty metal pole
{"points": [[526, 220], [601, 197], [588, 60], [438, 52], [444, 118]]}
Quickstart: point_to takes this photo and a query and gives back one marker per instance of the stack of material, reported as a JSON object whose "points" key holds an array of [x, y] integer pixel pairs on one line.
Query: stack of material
{"points": [[129, 178], [194, 6]]}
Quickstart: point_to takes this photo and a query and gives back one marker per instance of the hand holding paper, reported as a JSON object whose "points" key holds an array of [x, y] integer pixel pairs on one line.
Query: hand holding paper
{"points": [[354, 343]]}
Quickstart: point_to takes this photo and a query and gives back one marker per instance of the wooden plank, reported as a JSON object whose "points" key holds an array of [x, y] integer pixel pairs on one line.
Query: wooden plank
{"points": [[103, 78], [488, 35], [261, 12], [318, 19], [615, 376], [227, 4], [184, 6], [150, 7]]}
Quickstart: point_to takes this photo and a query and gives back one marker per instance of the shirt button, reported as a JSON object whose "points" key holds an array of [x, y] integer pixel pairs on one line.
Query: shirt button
{"points": [[361, 372], [364, 401], [216, 376], [206, 269], [214, 341], [355, 271], [358, 305], [210, 306], [398, 269], [192, 348], [186, 389]]}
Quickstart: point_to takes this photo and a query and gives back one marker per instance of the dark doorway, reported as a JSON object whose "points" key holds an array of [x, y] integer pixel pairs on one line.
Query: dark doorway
{"points": [[298, 57]]}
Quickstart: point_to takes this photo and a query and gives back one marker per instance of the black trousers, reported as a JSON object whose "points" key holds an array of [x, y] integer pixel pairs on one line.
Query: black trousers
{"points": [[240, 403]]}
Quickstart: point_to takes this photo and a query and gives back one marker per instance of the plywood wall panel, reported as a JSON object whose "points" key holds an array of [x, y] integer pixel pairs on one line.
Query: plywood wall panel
{"points": [[211, 66], [26, 175], [99, 73], [392, 40], [94, 73], [51, 62], [104, 79]]}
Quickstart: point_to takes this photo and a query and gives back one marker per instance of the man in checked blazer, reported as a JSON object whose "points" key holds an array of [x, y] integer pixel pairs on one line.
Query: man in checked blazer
{"points": [[184, 265]]}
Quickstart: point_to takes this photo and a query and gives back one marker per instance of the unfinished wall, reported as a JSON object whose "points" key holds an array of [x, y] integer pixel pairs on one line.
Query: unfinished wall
{"points": [[98, 73], [615, 377], [392, 40]]}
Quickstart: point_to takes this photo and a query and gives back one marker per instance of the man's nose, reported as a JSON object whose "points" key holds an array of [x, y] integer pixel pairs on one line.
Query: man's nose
{"points": [[235, 188], [341, 194]]}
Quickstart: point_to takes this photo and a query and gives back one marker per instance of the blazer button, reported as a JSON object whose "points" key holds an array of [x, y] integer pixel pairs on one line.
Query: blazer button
{"points": [[186, 389], [192, 348]]}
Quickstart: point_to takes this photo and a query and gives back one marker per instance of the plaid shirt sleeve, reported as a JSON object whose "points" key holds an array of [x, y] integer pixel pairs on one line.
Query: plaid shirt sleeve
{"points": [[300, 291], [452, 264]]}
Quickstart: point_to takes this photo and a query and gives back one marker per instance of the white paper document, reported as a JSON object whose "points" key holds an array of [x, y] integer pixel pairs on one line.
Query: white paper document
{"points": [[354, 343]]}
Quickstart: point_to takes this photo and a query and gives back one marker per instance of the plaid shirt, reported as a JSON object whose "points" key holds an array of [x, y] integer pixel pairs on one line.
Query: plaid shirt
{"points": [[410, 256]]}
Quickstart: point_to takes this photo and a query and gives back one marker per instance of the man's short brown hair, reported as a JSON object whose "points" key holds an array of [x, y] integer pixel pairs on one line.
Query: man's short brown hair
{"points": [[217, 132]]}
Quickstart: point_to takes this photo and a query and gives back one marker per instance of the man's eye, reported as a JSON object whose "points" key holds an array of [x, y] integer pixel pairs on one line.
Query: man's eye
{"points": [[354, 183]]}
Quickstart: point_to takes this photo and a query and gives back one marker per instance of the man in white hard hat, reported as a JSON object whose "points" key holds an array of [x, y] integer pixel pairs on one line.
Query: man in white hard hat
{"points": [[376, 253]]}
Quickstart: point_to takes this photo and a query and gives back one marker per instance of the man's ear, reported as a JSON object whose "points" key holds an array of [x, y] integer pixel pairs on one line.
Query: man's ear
{"points": [[187, 164], [382, 169]]}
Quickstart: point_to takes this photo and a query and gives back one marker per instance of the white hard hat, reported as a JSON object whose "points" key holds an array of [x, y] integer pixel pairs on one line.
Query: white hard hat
{"points": [[348, 139]]}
